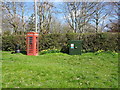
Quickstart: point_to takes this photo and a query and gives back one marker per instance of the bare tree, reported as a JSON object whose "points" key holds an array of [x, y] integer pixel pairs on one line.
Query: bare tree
{"points": [[10, 15], [31, 23], [55, 25], [101, 15], [78, 14], [114, 22], [22, 7], [45, 16]]}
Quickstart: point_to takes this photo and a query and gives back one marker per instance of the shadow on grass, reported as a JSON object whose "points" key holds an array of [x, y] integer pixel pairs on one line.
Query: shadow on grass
{"points": [[23, 52], [65, 49]]}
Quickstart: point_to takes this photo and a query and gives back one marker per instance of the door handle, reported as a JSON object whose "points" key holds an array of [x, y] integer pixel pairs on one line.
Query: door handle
{"points": [[75, 47]]}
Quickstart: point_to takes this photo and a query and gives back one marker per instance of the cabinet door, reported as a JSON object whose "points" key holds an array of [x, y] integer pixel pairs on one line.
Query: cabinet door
{"points": [[75, 47]]}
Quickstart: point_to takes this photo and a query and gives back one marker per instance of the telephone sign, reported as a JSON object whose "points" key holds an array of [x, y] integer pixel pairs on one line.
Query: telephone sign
{"points": [[72, 45]]}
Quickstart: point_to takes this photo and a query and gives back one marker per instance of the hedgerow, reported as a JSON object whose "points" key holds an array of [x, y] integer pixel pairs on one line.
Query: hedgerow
{"points": [[91, 41]]}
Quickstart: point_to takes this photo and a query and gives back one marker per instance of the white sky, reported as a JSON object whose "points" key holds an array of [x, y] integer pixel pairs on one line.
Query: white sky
{"points": [[61, 0]]}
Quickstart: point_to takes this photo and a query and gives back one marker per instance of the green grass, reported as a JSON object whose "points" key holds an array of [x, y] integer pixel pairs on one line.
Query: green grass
{"points": [[58, 70]]}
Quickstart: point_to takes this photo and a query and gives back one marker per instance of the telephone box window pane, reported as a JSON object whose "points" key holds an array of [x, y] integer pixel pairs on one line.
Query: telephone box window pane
{"points": [[30, 40]]}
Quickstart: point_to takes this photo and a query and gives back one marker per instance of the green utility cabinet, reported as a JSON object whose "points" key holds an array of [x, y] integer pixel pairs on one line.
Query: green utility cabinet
{"points": [[75, 47]]}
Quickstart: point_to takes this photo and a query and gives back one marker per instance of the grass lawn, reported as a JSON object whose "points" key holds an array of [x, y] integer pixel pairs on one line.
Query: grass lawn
{"points": [[58, 70]]}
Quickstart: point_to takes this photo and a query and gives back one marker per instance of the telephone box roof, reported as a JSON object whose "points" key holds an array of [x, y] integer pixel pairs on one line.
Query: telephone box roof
{"points": [[32, 33]]}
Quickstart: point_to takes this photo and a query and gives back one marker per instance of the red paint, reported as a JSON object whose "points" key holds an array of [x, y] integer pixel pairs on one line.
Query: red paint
{"points": [[32, 43]]}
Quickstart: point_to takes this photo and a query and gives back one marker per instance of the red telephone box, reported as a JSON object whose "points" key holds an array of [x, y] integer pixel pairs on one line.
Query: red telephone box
{"points": [[32, 43]]}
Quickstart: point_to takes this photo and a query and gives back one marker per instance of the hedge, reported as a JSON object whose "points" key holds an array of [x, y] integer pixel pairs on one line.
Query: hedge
{"points": [[91, 41]]}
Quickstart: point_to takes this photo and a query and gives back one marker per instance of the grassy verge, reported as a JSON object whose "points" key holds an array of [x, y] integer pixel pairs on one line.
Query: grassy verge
{"points": [[58, 70]]}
